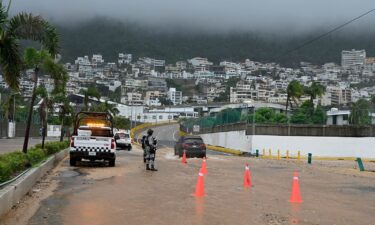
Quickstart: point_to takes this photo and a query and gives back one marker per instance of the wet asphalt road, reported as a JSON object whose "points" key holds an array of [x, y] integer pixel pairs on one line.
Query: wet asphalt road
{"points": [[14, 144], [92, 194]]}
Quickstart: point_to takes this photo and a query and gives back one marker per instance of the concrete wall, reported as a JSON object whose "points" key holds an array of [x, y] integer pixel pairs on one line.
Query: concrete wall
{"points": [[14, 192], [318, 146], [234, 139]]}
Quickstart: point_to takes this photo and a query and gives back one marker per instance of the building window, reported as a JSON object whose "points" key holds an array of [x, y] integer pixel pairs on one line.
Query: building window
{"points": [[154, 117], [145, 117], [345, 117], [160, 117], [169, 117]]}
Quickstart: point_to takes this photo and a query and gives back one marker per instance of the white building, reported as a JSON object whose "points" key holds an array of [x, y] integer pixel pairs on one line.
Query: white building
{"points": [[339, 95], [175, 96], [132, 98], [113, 85], [153, 62], [353, 58], [338, 117], [97, 59], [124, 58]]}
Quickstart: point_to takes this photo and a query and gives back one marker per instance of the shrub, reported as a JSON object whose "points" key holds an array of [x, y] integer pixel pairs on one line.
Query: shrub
{"points": [[35, 155], [13, 163]]}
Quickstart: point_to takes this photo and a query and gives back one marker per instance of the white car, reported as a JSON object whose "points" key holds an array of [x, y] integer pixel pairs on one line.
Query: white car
{"points": [[123, 140]]}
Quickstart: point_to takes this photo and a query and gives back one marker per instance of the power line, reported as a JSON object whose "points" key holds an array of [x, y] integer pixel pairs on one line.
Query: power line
{"points": [[325, 34]]}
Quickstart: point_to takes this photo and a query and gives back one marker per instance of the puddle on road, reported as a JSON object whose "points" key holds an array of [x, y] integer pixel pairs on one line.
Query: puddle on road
{"points": [[69, 173], [170, 156]]}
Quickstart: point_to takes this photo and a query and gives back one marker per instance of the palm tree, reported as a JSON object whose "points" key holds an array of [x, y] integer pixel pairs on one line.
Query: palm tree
{"points": [[65, 113], [106, 107], [39, 60], [294, 93], [90, 92], [20, 27], [43, 110], [314, 91], [360, 112]]}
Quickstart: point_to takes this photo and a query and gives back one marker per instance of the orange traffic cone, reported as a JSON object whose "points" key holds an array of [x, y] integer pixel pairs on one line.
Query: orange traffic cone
{"points": [[204, 166], [296, 194], [199, 189], [184, 158], [247, 180]]}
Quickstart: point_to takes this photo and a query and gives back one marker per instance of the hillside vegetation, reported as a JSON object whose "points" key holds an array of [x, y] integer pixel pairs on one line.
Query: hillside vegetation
{"points": [[110, 37]]}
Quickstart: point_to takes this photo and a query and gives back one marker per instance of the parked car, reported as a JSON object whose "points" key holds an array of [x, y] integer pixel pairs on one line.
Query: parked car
{"points": [[123, 140], [193, 146]]}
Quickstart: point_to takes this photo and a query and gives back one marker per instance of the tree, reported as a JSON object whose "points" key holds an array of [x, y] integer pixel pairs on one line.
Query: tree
{"points": [[314, 91], [360, 113], [90, 92], [302, 114], [373, 101], [19, 27], [66, 112], [106, 107], [45, 103], [33, 59], [121, 122], [42, 60], [294, 93], [165, 101], [12, 102], [267, 115]]}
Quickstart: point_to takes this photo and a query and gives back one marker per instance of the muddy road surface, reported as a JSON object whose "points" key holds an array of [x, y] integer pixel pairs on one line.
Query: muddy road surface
{"points": [[93, 194]]}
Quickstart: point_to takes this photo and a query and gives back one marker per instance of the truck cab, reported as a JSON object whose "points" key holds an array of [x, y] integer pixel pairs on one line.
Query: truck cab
{"points": [[93, 138]]}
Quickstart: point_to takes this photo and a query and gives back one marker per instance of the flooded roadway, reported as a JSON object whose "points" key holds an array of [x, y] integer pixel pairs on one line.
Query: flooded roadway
{"points": [[91, 194]]}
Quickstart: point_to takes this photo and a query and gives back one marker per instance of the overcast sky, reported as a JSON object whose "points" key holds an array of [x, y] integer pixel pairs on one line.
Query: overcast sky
{"points": [[208, 14]]}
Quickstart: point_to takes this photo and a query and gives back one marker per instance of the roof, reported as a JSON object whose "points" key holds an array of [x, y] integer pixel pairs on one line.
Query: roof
{"points": [[338, 112]]}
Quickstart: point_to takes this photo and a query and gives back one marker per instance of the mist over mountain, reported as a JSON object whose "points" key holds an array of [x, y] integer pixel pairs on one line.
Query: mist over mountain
{"points": [[110, 37]]}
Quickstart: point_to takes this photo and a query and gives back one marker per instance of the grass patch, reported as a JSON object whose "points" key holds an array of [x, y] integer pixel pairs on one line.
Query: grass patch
{"points": [[13, 163]]}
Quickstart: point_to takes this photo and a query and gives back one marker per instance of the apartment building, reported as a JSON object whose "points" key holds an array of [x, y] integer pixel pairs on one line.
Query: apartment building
{"points": [[175, 96], [339, 95], [124, 59], [353, 58]]}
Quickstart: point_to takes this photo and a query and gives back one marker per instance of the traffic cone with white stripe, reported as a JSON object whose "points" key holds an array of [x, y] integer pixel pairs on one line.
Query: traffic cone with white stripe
{"points": [[199, 189], [184, 158], [247, 179], [296, 194], [204, 166]]}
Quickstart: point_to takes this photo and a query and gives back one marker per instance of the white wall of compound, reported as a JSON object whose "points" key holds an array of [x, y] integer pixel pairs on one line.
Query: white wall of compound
{"points": [[318, 146]]}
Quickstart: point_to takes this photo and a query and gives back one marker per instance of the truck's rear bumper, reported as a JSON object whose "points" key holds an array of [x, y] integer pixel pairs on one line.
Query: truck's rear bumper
{"points": [[97, 156]]}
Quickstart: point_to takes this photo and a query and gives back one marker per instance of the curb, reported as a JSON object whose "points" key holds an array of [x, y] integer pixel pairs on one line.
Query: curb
{"points": [[225, 150], [14, 192]]}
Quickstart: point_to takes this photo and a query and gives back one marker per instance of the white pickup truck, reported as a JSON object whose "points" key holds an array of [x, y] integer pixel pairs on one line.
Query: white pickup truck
{"points": [[93, 138]]}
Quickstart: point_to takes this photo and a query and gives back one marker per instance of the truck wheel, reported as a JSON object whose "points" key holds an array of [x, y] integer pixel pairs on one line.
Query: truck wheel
{"points": [[72, 162], [112, 163]]}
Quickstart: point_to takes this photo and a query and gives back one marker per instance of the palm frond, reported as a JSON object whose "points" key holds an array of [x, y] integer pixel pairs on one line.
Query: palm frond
{"points": [[10, 61], [3, 15], [35, 28]]}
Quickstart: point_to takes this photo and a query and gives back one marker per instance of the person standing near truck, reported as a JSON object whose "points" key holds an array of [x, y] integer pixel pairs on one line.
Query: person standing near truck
{"points": [[143, 141], [150, 150]]}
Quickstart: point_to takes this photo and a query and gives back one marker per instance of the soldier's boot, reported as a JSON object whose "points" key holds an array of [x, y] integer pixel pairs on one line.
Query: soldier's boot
{"points": [[147, 167], [153, 168]]}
